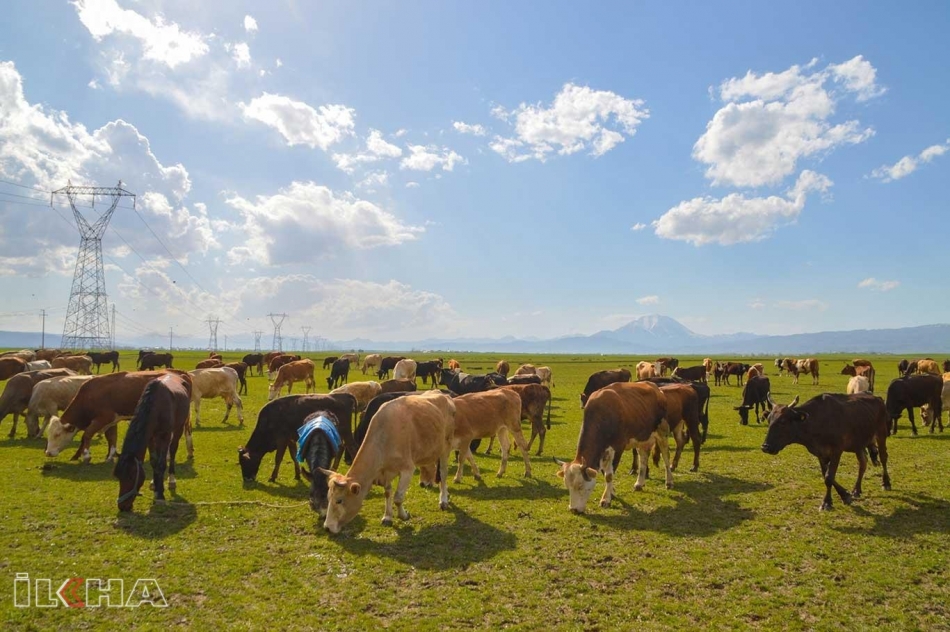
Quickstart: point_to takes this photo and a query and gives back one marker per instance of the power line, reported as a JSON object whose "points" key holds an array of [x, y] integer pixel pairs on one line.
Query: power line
{"points": [[23, 186]]}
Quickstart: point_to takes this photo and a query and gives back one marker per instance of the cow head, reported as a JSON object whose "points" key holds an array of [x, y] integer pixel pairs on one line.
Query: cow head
{"points": [[131, 474], [579, 480], [785, 426], [743, 413], [272, 391], [344, 500], [249, 464], [58, 436], [849, 370], [329, 382], [583, 399]]}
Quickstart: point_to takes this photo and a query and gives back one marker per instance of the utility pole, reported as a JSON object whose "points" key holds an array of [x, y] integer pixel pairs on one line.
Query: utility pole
{"points": [[112, 348], [43, 335], [170, 339], [225, 342], [278, 320], [257, 341]]}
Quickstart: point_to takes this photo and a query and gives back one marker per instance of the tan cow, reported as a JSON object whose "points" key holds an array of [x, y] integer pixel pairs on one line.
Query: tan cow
{"points": [[17, 391], [216, 382], [405, 370], [10, 366], [48, 354], [209, 363], [278, 361], [708, 365], [48, 398], [502, 367], [945, 398], [24, 354], [526, 369], [371, 361], [928, 366], [756, 370], [645, 370], [81, 364], [354, 359], [406, 433], [362, 391], [296, 371], [454, 365], [486, 414], [546, 377]]}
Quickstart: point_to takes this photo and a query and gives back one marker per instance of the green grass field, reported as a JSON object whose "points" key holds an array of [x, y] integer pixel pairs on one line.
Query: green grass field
{"points": [[740, 544]]}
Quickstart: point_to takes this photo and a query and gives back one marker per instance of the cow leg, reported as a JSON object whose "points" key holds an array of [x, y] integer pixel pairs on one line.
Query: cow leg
{"points": [[157, 457], [111, 436], [679, 435], [523, 446], [491, 442], [16, 417], [882, 455], [697, 440], [607, 467], [405, 479], [643, 453], [197, 403], [465, 453], [240, 411], [541, 432], [910, 415], [189, 444], [505, 443], [227, 411], [665, 453], [444, 480], [388, 511], [278, 457], [862, 467]]}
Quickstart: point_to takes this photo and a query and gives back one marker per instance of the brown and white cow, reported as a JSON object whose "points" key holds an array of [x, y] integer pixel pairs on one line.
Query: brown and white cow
{"points": [[616, 418], [17, 392], [362, 391], [296, 371], [10, 366], [808, 366], [406, 433], [486, 414], [49, 397], [858, 384], [216, 382]]}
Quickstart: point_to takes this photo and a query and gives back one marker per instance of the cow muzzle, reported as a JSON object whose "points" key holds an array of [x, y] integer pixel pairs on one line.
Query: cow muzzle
{"points": [[769, 449]]}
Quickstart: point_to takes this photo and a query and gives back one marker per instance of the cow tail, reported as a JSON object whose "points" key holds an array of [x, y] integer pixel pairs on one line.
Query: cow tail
{"points": [[550, 398]]}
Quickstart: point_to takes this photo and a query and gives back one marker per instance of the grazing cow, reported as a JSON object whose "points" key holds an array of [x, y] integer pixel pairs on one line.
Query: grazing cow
{"points": [[534, 399], [50, 396], [683, 413], [546, 378], [397, 386], [829, 425], [160, 419], [925, 413], [241, 369], [213, 355], [254, 360], [946, 366], [151, 361], [502, 367], [363, 392], [702, 393], [47, 354], [463, 383], [216, 382], [858, 384], [525, 369], [601, 379], [664, 364], [370, 361], [319, 446], [81, 364], [329, 360], [209, 363], [387, 365], [912, 391], [907, 368], [617, 417], [339, 373], [279, 361], [405, 370], [734, 368], [928, 366], [277, 425], [24, 354], [10, 366], [354, 358], [38, 365], [405, 433], [270, 355], [429, 369], [514, 379], [17, 392], [693, 373], [455, 366], [97, 406], [755, 394], [297, 371], [645, 370], [98, 359], [480, 415]]}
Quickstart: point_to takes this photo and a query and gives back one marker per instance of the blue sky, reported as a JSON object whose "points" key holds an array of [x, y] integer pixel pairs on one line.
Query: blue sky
{"points": [[402, 171]]}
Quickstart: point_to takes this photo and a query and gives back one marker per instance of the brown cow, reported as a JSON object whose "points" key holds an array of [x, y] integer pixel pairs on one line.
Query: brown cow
{"points": [[502, 367], [398, 386], [270, 355], [296, 371], [241, 369], [210, 363], [692, 373], [18, 390], [480, 415], [10, 366], [928, 366], [98, 405], [81, 364], [48, 354], [617, 417], [280, 361], [151, 361], [455, 366], [601, 379], [534, 399], [682, 417], [215, 356]]}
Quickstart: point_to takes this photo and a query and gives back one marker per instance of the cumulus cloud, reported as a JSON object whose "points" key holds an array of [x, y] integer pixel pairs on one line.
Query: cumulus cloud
{"points": [[465, 128], [652, 299], [250, 24], [429, 157], [241, 53], [871, 283], [638, 226], [736, 218], [299, 123], [579, 119], [412, 185], [771, 121], [909, 164], [306, 222], [377, 148]]}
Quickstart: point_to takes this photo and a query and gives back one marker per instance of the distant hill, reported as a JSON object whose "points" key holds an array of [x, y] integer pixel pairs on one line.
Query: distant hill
{"points": [[653, 334]]}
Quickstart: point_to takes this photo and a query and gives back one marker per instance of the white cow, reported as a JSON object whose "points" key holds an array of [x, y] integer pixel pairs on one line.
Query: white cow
{"points": [[38, 365], [354, 359], [858, 384], [526, 369], [405, 370], [219, 382], [544, 373], [371, 361], [48, 398], [362, 391]]}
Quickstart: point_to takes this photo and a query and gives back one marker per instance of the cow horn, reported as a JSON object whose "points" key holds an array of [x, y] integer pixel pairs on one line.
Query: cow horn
{"points": [[326, 472], [768, 396], [794, 402], [559, 461]]}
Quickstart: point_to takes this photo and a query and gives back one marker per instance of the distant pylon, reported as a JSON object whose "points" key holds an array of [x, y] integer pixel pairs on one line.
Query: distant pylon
{"points": [[278, 320], [87, 315], [213, 322], [257, 341], [306, 338]]}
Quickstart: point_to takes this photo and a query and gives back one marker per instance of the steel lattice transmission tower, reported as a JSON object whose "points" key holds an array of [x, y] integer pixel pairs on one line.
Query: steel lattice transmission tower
{"points": [[257, 341], [213, 322], [306, 338], [278, 320], [87, 316]]}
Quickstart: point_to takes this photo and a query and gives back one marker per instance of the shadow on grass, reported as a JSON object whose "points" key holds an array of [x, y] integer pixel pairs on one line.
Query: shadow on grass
{"points": [[102, 470], [435, 547], [701, 510], [23, 442], [287, 488], [161, 520], [920, 514], [492, 489], [217, 427]]}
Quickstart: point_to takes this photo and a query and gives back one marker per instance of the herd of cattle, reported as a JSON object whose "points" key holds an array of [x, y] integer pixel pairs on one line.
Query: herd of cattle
{"points": [[388, 429]]}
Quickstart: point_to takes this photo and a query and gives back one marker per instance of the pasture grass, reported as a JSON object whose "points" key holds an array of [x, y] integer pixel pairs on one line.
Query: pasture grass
{"points": [[740, 544]]}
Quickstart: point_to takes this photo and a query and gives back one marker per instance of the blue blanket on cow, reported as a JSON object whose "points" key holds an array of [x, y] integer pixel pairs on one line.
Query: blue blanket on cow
{"points": [[311, 424]]}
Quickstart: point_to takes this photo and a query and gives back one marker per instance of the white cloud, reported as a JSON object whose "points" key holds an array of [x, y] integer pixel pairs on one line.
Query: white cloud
{"points": [[377, 148], [756, 303], [278, 62], [306, 222], [250, 24], [94, 84], [412, 185], [871, 283], [299, 123], [806, 304], [375, 179], [908, 164], [771, 121], [638, 226], [465, 128], [428, 157], [580, 118], [736, 218], [652, 299], [241, 53]]}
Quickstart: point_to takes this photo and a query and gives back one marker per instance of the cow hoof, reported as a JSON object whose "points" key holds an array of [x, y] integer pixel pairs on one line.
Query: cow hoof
{"points": [[825, 507], [404, 515], [669, 485], [387, 522], [855, 494], [477, 477], [444, 506], [272, 479], [487, 452], [886, 487], [159, 501], [638, 488], [605, 503], [11, 435], [847, 499], [172, 486], [151, 487], [695, 468]]}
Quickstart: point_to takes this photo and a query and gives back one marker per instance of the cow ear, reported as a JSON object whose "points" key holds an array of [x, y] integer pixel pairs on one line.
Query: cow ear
{"points": [[560, 473], [69, 428], [355, 488], [591, 473]]}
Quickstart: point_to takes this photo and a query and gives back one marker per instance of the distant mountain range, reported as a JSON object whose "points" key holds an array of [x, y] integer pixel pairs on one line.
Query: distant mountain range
{"points": [[653, 334]]}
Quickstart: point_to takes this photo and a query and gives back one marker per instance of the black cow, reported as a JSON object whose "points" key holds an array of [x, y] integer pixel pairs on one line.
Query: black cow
{"points": [[946, 366], [735, 368], [464, 383], [254, 360], [329, 360], [339, 373], [601, 379], [828, 425], [692, 373], [387, 365], [241, 369], [912, 391], [105, 357], [907, 368], [755, 393], [154, 360], [430, 368], [277, 425]]}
